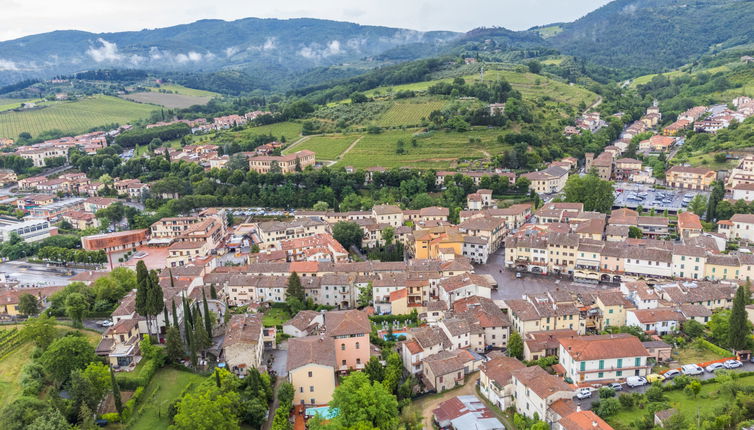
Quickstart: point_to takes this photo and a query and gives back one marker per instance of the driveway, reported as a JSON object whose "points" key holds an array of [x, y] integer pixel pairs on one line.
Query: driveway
{"points": [[429, 403], [279, 359]]}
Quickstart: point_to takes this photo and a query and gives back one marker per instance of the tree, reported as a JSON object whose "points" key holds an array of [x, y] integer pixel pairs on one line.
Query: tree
{"points": [[596, 195], [22, 412], [201, 337], [739, 330], [207, 317], [365, 295], [388, 235], [516, 346], [348, 234], [155, 300], [321, 206], [716, 196], [212, 292], [698, 204], [28, 305], [719, 327], [295, 289], [116, 392], [608, 407], [634, 232], [173, 345], [175, 314], [281, 420], [207, 408], [359, 98], [76, 306], [363, 404], [393, 372], [534, 66], [50, 420], [65, 355], [374, 369], [693, 388], [89, 386], [40, 330], [692, 328], [142, 291]]}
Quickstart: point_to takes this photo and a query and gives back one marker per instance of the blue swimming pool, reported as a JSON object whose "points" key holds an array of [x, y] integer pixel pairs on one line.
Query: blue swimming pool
{"points": [[323, 411], [396, 334]]}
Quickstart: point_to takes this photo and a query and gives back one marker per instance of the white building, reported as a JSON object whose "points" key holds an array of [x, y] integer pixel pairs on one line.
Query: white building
{"points": [[603, 357]]}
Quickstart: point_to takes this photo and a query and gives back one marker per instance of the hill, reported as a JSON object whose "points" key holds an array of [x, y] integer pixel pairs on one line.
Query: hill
{"points": [[647, 36], [259, 45]]}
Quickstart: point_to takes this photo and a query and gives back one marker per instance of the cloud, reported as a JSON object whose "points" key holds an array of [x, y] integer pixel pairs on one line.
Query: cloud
{"points": [[193, 57], [269, 44], [8, 66], [316, 51], [333, 48], [107, 52]]}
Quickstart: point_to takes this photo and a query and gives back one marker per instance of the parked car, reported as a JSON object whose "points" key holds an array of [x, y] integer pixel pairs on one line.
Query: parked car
{"points": [[672, 373], [583, 393], [655, 377], [691, 369], [519, 275], [732, 364], [636, 381], [105, 323], [714, 366], [617, 386]]}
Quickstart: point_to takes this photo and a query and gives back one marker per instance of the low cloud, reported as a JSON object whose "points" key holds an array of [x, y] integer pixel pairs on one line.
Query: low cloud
{"points": [[8, 66], [316, 51], [108, 51]]}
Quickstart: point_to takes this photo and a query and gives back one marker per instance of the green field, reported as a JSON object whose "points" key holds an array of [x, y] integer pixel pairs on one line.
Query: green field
{"points": [[10, 104], [291, 131], [641, 80], [166, 385], [409, 112], [436, 150], [549, 31], [73, 117], [180, 89], [326, 147]]}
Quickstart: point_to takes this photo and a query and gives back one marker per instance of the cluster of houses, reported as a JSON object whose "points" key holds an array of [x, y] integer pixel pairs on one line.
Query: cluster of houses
{"points": [[89, 143], [201, 125]]}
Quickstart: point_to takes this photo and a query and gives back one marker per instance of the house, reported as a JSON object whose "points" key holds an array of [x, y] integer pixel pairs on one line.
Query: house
{"points": [[692, 178], [120, 344], [496, 380], [658, 350], [243, 345], [303, 324], [465, 412], [350, 331], [10, 297], [603, 357], [660, 321], [490, 318], [689, 225], [311, 369], [447, 369], [282, 163], [540, 344], [535, 391], [742, 227], [464, 285], [548, 181], [582, 420], [657, 144], [388, 214], [482, 199]]}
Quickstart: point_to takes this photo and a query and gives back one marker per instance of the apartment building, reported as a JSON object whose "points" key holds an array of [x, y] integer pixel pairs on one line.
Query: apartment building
{"points": [[548, 181], [271, 232], [693, 178], [603, 357], [243, 345], [282, 163]]}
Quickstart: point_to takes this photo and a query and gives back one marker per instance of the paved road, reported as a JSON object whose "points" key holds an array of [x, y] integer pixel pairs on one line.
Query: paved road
{"points": [[510, 287], [37, 274], [587, 403]]}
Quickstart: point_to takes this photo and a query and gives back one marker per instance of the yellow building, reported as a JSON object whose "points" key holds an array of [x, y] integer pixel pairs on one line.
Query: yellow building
{"points": [[311, 369], [693, 178], [433, 242]]}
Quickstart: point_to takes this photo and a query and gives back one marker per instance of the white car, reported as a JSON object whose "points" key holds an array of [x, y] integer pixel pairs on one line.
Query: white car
{"points": [[691, 369], [732, 364], [714, 366], [583, 393], [636, 381], [106, 323]]}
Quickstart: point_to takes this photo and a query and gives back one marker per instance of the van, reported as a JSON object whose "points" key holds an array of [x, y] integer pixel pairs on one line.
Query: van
{"points": [[636, 381]]}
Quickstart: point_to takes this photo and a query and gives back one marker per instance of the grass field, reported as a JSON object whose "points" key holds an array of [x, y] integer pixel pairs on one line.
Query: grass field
{"points": [[682, 403], [692, 354], [73, 117], [11, 365], [180, 89], [433, 150], [708, 161], [9, 104], [326, 147], [641, 80], [166, 385], [549, 31], [275, 317], [290, 130], [409, 112], [179, 101]]}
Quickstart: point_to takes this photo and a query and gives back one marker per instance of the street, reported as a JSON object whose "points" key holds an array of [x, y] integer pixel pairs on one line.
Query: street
{"points": [[510, 287], [37, 274]]}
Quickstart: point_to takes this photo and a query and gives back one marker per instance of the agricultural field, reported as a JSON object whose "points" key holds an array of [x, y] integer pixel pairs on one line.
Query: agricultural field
{"points": [[434, 150], [73, 117], [409, 112], [166, 385], [290, 130], [185, 91], [10, 104], [327, 147], [173, 101]]}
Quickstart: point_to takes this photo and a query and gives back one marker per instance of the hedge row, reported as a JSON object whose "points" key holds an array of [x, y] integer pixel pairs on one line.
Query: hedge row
{"points": [[129, 381], [709, 346]]}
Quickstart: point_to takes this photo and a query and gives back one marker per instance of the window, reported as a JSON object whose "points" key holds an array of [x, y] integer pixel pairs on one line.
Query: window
{"points": [[583, 366], [344, 362], [342, 346], [637, 361], [620, 363], [357, 345], [602, 364], [310, 374], [311, 388], [300, 389]]}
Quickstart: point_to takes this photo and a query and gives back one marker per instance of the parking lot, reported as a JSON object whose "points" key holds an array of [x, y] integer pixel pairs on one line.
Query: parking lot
{"points": [[635, 195]]}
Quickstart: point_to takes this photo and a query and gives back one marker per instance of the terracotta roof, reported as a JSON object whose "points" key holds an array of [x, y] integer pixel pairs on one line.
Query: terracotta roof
{"points": [[310, 350], [340, 323], [584, 420], [650, 316], [586, 348], [540, 382], [500, 368], [246, 328], [302, 320]]}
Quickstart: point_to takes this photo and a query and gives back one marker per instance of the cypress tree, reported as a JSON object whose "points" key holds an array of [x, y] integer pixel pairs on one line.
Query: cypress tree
{"points": [[155, 303], [207, 320], [738, 327], [175, 315], [173, 346], [201, 337], [212, 292], [116, 392], [142, 290], [294, 287], [165, 317], [187, 312], [217, 378], [187, 329]]}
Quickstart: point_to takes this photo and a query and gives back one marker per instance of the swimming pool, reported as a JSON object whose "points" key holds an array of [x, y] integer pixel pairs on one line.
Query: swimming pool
{"points": [[396, 334], [323, 411]]}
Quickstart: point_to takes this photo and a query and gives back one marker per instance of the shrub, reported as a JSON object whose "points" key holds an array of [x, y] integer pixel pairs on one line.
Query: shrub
{"points": [[709, 346], [113, 417]]}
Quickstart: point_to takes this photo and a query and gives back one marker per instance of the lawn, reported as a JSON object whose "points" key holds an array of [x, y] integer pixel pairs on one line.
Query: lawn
{"points": [[166, 385], [708, 161], [290, 130], [179, 101], [186, 91], [8, 104], [73, 117], [691, 354], [433, 150], [409, 112], [275, 317], [326, 147], [11, 364], [682, 403]]}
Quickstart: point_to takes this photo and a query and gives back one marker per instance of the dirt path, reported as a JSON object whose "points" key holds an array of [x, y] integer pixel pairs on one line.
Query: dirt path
{"points": [[298, 142], [593, 105], [429, 403], [486, 154], [350, 147]]}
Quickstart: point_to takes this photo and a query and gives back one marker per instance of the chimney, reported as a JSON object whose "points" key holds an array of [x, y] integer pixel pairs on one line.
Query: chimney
{"points": [[594, 424]]}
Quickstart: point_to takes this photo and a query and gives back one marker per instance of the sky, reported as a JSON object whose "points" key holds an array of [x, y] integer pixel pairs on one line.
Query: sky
{"points": [[24, 17]]}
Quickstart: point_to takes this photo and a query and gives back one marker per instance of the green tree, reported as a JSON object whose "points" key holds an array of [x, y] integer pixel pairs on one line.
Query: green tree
{"points": [[212, 292], [52, 419], [141, 304], [693, 389], [295, 289], [76, 306], [516, 346], [175, 314], [365, 295], [22, 412], [388, 235], [116, 392], [207, 408], [739, 329], [698, 204], [362, 404], [155, 300], [608, 407], [40, 330], [692, 328], [28, 304], [634, 232], [596, 195], [65, 355], [321, 206], [348, 234], [89, 386], [393, 372], [719, 327], [374, 369], [173, 345], [207, 316], [201, 337]]}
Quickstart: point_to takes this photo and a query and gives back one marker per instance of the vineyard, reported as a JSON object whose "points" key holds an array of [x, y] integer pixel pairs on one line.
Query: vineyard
{"points": [[409, 113], [73, 117], [326, 147], [9, 340]]}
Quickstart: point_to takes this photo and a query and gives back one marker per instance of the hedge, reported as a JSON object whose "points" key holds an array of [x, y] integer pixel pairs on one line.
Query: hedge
{"points": [[412, 317], [130, 406], [129, 381], [112, 417], [712, 347]]}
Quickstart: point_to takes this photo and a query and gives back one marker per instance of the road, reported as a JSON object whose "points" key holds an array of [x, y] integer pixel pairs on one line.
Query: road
{"points": [[37, 274], [510, 287], [587, 403]]}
